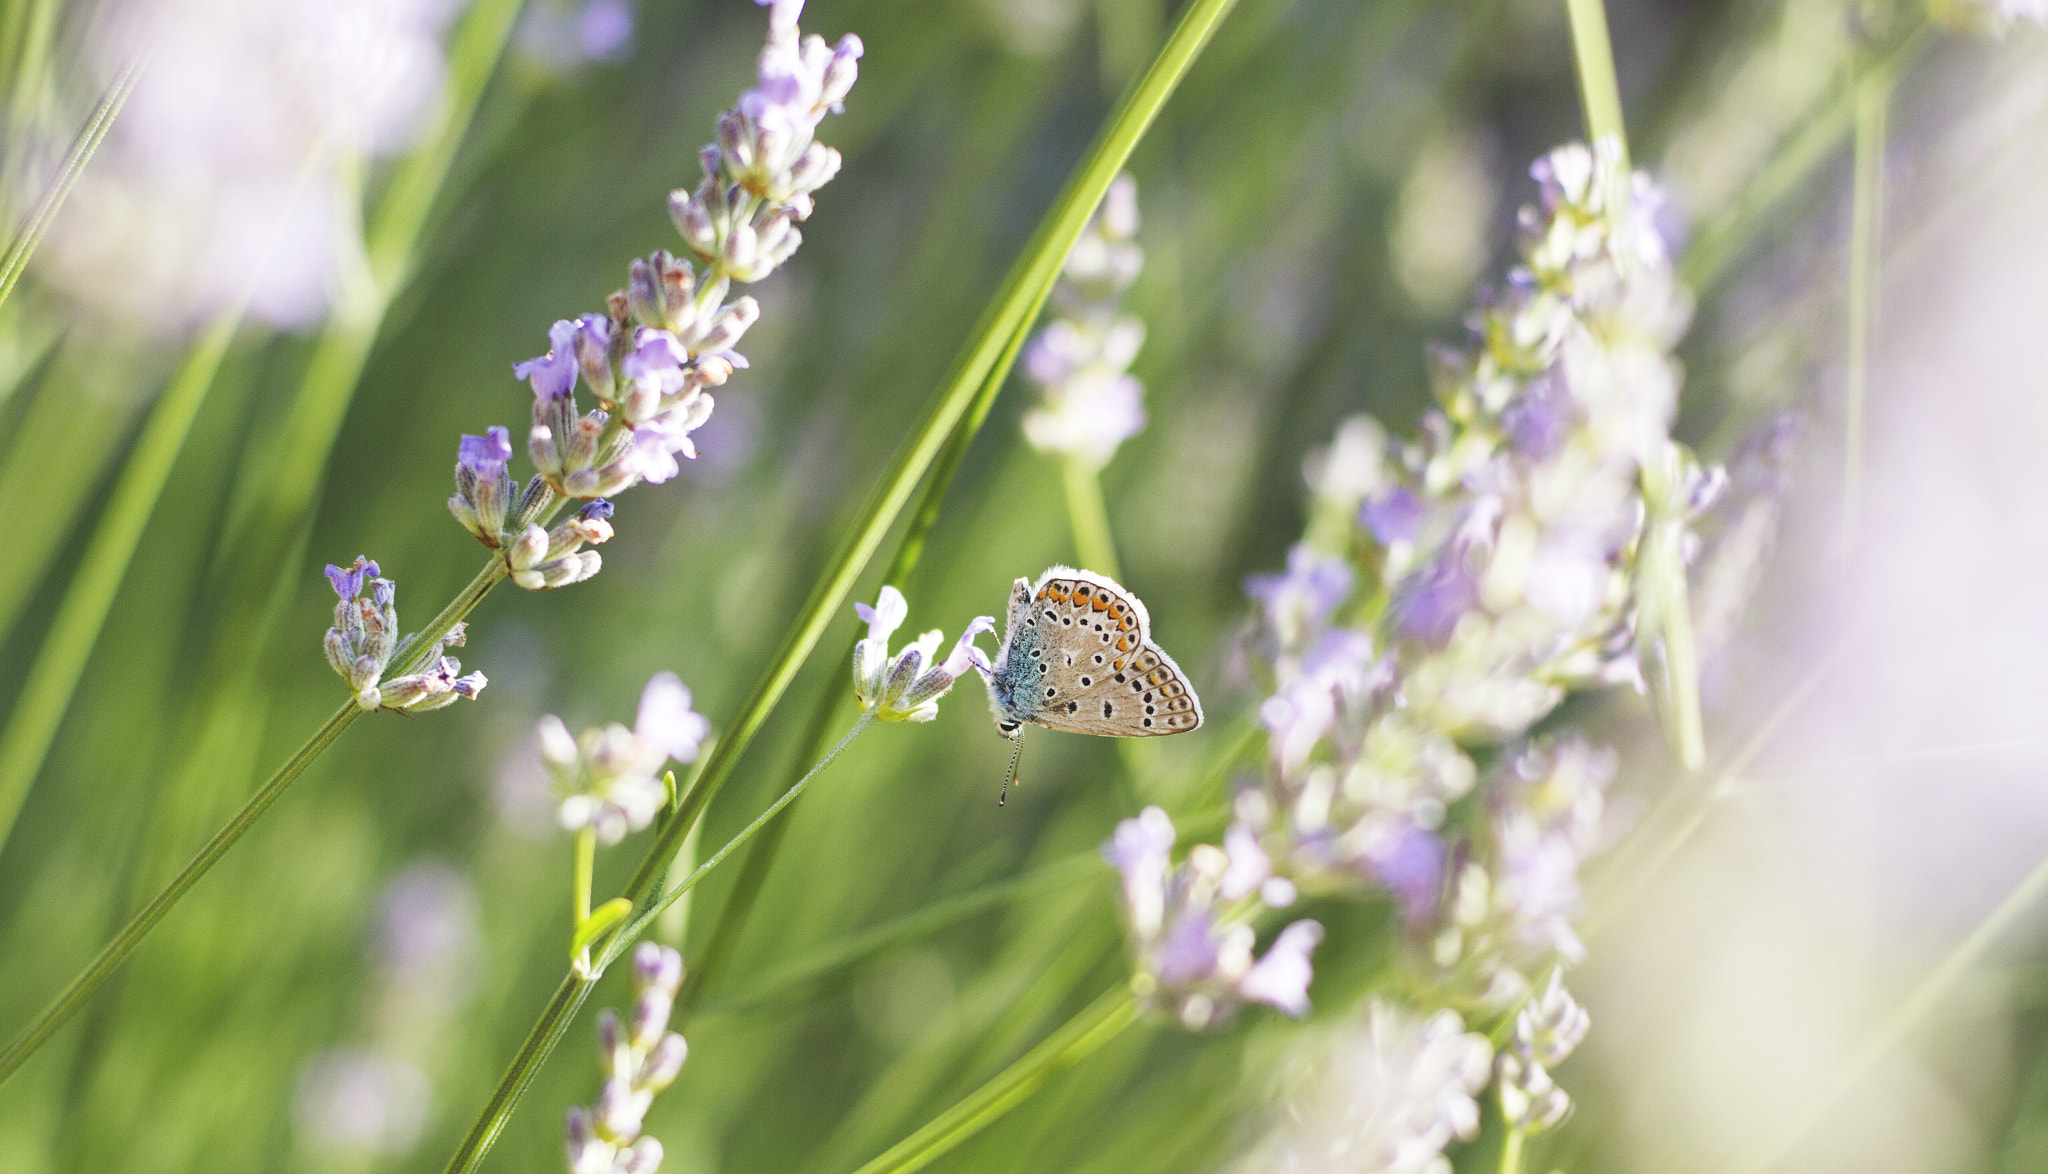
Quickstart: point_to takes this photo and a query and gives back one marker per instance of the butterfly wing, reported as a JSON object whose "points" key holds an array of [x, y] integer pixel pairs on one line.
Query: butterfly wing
{"points": [[1101, 672]]}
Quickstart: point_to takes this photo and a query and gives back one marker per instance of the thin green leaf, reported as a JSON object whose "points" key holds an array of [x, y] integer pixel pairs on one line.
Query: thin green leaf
{"points": [[601, 919], [31, 232], [1102, 1021]]}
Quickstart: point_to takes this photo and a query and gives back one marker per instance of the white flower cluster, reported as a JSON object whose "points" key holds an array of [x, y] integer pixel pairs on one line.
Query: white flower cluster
{"points": [[1081, 362], [609, 779], [235, 165], [1389, 1094], [1191, 925]]}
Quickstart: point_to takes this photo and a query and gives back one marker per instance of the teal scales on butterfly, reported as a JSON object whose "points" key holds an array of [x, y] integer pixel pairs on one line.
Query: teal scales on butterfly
{"points": [[1078, 655]]}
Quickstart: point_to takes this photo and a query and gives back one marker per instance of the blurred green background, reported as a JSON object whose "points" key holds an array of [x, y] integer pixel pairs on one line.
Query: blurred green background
{"points": [[1320, 201]]}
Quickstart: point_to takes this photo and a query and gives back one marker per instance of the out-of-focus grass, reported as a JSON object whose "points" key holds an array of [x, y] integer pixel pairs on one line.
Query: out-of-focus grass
{"points": [[1273, 309]]}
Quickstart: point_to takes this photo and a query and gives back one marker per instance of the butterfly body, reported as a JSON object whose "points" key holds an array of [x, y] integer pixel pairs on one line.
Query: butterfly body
{"points": [[1078, 656]]}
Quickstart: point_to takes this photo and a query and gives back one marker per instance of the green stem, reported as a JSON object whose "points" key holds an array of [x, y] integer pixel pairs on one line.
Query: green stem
{"points": [[633, 929], [1089, 518], [88, 141], [1599, 91], [1016, 304], [1101, 1022], [46, 693], [1906, 1017], [569, 996], [1721, 239], [586, 860], [109, 959], [917, 924], [1866, 234], [1511, 1152], [909, 552]]}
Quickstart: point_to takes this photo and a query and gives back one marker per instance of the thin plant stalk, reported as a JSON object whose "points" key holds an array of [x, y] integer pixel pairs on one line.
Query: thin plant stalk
{"points": [[575, 987], [393, 241], [96, 127], [51, 680], [109, 959], [1089, 517], [1909, 1015], [1016, 304], [1664, 565], [909, 553], [1102, 1021], [1721, 239], [1866, 237], [1593, 55], [1511, 1152]]}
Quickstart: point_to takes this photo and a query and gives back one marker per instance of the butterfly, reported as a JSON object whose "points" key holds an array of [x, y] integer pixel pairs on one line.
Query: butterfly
{"points": [[1078, 655]]}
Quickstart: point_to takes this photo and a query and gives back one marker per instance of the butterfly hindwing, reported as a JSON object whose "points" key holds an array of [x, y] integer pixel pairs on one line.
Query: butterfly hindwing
{"points": [[1101, 673]]}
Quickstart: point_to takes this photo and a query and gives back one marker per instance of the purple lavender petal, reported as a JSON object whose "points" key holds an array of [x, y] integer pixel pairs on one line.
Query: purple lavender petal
{"points": [[1395, 517], [1411, 864], [553, 375], [1433, 601], [1281, 978], [486, 455], [1541, 417], [1189, 953]]}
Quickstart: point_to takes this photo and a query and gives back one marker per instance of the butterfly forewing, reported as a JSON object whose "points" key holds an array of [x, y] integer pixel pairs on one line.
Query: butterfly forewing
{"points": [[1101, 672]]}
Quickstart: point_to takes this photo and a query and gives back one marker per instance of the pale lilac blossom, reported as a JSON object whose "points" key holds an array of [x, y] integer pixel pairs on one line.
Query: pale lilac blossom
{"points": [[609, 779], [1384, 1096], [1080, 363], [907, 686]]}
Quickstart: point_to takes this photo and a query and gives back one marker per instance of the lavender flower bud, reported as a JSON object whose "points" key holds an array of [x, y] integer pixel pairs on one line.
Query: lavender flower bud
{"points": [[1529, 1099], [650, 1017], [642, 1157], [664, 1061], [620, 1109], [483, 488], [586, 1152], [657, 967]]}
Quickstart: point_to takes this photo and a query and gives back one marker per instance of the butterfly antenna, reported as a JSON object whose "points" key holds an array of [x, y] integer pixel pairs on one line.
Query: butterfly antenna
{"points": [[1014, 755]]}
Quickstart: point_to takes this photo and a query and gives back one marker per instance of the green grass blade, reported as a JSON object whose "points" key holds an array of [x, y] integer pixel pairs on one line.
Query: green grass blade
{"points": [[109, 959], [31, 232], [1101, 1022], [1721, 240], [25, 740], [1866, 242]]}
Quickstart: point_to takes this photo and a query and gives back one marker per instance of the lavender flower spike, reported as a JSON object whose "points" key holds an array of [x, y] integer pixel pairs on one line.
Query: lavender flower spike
{"points": [[1081, 361], [641, 1057], [364, 638]]}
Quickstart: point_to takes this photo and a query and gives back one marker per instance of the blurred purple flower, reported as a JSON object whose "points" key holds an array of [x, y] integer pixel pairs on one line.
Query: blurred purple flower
{"points": [[1298, 601], [1394, 516]]}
